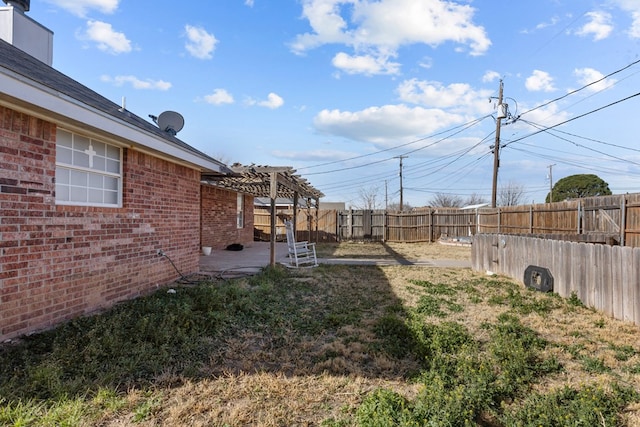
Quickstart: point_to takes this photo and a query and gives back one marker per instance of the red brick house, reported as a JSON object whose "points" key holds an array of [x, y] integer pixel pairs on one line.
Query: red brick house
{"points": [[90, 193]]}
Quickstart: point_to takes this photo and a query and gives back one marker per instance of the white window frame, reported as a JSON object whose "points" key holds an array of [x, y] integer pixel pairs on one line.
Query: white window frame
{"points": [[240, 210], [85, 177]]}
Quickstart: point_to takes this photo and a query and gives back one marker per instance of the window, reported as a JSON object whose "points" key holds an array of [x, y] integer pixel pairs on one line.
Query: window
{"points": [[240, 211], [88, 172]]}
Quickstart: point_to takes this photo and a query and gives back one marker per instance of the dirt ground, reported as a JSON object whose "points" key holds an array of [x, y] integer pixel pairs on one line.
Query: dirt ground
{"points": [[389, 250]]}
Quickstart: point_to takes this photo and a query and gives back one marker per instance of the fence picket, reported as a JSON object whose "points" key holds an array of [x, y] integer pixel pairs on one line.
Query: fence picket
{"points": [[604, 277]]}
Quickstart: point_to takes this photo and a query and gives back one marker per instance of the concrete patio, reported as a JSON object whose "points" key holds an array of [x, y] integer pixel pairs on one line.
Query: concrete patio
{"points": [[253, 258]]}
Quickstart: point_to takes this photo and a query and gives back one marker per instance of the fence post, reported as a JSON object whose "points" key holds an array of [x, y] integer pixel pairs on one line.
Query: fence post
{"points": [[530, 219], [499, 229], [384, 226], [430, 225], [623, 219], [350, 224], [579, 219]]}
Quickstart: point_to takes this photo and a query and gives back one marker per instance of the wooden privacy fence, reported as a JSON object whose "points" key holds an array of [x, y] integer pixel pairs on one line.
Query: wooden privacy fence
{"points": [[422, 225], [604, 219], [308, 227], [604, 277]]}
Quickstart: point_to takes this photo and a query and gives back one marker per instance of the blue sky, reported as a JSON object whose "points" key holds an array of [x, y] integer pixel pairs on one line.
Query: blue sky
{"points": [[340, 89]]}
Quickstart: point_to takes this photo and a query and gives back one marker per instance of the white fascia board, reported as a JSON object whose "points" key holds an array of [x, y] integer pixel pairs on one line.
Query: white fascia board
{"points": [[45, 98]]}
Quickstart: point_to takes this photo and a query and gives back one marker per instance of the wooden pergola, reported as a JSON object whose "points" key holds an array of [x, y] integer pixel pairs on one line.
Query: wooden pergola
{"points": [[272, 182]]}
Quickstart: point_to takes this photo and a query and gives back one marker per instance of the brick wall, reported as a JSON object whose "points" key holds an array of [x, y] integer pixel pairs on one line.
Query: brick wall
{"points": [[219, 227], [58, 262]]}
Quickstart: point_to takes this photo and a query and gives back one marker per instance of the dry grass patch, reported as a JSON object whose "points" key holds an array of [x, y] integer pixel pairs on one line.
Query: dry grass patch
{"points": [[391, 250], [329, 346]]}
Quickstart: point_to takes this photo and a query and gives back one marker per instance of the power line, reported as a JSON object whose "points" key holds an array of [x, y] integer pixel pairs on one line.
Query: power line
{"points": [[468, 124], [574, 118], [580, 145], [582, 88], [464, 127]]}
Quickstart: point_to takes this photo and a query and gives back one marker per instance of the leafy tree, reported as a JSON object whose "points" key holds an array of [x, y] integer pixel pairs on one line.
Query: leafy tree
{"points": [[578, 186], [444, 200], [511, 194]]}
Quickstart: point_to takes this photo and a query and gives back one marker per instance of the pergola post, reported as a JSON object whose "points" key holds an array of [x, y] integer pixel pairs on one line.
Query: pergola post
{"points": [[273, 193]]}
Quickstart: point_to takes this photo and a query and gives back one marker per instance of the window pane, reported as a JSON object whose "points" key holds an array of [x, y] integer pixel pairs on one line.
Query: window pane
{"points": [[95, 196], [95, 181], [99, 147], [62, 192], [110, 183], [78, 178], [64, 155], [113, 166], [62, 176], [78, 194], [80, 159], [80, 143], [113, 152], [63, 138], [111, 197], [99, 163]]}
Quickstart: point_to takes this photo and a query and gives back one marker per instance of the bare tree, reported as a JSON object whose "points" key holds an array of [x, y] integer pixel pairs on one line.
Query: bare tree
{"points": [[367, 198], [511, 194], [395, 206], [444, 200], [474, 199]]}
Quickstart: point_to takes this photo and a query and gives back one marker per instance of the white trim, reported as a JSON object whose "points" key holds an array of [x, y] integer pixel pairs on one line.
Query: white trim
{"points": [[53, 102]]}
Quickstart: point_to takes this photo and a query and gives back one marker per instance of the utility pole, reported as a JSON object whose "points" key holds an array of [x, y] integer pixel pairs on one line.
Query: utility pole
{"points": [[496, 148], [401, 157], [551, 182], [386, 196]]}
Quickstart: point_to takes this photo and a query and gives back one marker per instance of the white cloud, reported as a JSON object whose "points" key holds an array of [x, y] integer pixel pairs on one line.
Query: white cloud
{"points": [[81, 7], [364, 64], [540, 81], [634, 31], [490, 76], [380, 28], [551, 23], [219, 97], [633, 7], [589, 75], [273, 101], [201, 44], [106, 38], [248, 3], [599, 26], [136, 83], [386, 125], [458, 97], [546, 116]]}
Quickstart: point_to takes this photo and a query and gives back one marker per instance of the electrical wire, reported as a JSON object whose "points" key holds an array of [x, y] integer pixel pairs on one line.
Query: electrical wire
{"points": [[582, 88], [580, 145], [466, 126], [574, 118], [472, 122]]}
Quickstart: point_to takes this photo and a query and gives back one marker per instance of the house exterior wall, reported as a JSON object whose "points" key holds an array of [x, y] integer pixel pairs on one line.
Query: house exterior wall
{"points": [[59, 262], [219, 226]]}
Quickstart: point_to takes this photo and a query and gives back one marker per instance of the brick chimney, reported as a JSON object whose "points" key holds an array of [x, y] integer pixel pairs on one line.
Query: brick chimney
{"points": [[24, 33]]}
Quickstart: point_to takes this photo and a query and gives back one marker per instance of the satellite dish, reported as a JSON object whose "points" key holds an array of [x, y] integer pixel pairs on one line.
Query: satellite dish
{"points": [[170, 122]]}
